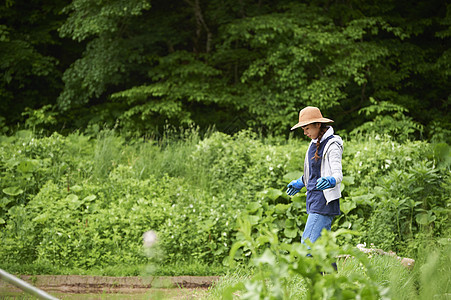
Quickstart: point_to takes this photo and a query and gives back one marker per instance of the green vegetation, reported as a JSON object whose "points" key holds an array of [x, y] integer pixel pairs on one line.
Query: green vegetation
{"points": [[281, 275], [81, 203], [120, 117], [142, 64]]}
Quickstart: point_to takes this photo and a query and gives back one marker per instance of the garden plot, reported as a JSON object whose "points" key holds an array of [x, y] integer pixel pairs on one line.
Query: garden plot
{"points": [[105, 287]]}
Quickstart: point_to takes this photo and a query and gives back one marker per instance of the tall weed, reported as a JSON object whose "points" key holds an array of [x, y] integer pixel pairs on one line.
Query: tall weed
{"points": [[108, 152], [84, 201]]}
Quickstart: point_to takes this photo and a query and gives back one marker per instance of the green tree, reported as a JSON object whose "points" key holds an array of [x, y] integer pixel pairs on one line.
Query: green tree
{"points": [[30, 56], [337, 56], [151, 63]]}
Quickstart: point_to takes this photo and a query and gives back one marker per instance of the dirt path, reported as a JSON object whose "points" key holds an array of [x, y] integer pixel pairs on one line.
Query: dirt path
{"points": [[105, 287]]}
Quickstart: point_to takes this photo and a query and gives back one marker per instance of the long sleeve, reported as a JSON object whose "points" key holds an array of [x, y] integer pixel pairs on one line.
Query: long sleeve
{"points": [[334, 158]]}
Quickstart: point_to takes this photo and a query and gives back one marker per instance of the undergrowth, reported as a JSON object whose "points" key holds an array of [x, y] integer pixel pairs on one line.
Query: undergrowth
{"points": [[83, 202]]}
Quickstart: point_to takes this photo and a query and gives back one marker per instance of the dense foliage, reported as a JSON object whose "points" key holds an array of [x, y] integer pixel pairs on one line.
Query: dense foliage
{"points": [[77, 196], [85, 201], [235, 64]]}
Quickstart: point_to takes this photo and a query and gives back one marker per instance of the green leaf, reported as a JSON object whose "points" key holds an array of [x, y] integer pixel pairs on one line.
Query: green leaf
{"points": [[73, 201], [273, 194], [229, 291], [348, 180], [292, 176], [425, 219], [253, 220], [72, 198], [27, 166], [253, 207], [347, 206], [263, 239], [267, 258], [291, 232], [235, 248], [89, 198], [281, 208], [13, 191], [41, 218], [290, 223], [342, 187], [76, 188], [363, 199]]}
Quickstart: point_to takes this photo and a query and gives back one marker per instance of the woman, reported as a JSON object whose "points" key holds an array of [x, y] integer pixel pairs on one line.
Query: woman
{"points": [[322, 173]]}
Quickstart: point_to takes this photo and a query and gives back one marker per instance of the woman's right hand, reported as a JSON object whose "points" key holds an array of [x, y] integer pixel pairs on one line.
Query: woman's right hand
{"points": [[295, 186]]}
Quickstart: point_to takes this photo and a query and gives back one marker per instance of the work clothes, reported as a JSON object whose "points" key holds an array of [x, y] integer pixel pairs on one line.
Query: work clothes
{"points": [[316, 223], [330, 164], [316, 201]]}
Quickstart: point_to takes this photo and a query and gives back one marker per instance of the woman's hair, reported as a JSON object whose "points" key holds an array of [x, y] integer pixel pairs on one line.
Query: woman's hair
{"points": [[322, 131]]}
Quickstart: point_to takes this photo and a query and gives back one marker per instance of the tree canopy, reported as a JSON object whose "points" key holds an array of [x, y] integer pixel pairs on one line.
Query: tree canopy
{"points": [[143, 65]]}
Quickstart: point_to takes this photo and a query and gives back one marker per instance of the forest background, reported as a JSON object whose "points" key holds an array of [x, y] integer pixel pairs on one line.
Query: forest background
{"points": [[117, 117], [143, 65]]}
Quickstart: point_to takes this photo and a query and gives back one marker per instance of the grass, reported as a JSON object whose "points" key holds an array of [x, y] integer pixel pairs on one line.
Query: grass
{"points": [[429, 279], [387, 271], [155, 294], [176, 269], [226, 282], [240, 277], [168, 156]]}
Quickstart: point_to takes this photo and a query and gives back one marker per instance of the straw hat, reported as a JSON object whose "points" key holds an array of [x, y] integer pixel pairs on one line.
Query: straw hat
{"points": [[310, 115]]}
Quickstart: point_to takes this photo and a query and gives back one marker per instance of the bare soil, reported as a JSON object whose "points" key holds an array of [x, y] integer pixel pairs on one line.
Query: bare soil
{"points": [[105, 287]]}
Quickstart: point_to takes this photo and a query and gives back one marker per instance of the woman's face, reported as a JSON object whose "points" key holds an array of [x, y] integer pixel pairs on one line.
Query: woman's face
{"points": [[312, 130]]}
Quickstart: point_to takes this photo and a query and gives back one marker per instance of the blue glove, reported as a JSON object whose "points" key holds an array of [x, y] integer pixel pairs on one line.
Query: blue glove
{"points": [[295, 186], [325, 183]]}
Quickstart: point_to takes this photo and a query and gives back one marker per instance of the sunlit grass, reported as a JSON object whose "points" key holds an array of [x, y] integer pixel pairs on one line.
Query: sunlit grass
{"points": [[429, 279], [193, 268], [294, 287], [387, 271]]}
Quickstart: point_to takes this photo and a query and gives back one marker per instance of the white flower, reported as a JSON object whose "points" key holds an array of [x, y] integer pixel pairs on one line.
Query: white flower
{"points": [[149, 238]]}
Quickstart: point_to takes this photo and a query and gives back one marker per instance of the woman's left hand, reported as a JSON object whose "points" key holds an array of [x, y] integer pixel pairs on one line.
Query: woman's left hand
{"points": [[325, 183]]}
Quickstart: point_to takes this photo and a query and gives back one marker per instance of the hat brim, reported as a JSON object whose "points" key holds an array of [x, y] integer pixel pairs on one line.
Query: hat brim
{"points": [[320, 120]]}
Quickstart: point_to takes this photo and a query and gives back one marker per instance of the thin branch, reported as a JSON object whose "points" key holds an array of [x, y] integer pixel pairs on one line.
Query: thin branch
{"points": [[200, 22]]}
